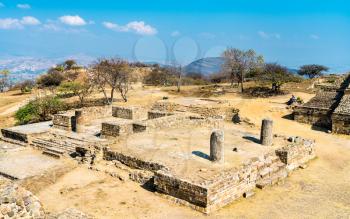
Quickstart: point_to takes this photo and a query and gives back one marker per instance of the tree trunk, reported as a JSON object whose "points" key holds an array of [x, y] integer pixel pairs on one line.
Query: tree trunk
{"points": [[112, 96]]}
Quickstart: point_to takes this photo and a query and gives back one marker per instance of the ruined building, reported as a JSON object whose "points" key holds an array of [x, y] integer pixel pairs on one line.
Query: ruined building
{"points": [[330, 108]]}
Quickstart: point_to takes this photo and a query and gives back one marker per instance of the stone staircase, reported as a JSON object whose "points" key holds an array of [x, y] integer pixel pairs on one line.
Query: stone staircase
{"points": [[58, 144]]}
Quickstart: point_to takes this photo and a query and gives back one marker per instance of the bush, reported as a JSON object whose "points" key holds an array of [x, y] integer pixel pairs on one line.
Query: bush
{"points": [[52, 79], [38, 110]]}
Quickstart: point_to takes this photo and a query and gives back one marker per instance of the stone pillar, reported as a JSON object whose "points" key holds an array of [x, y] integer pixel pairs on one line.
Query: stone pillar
{"points": [[77, 120], [266, 135], [217, 146]]}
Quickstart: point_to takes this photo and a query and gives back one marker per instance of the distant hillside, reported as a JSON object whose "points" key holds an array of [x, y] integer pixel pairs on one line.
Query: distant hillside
{"points": [[211, 65], [206, 66]]}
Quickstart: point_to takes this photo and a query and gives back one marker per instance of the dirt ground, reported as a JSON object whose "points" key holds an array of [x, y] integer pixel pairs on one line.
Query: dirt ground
{"points": [[320, 191]]}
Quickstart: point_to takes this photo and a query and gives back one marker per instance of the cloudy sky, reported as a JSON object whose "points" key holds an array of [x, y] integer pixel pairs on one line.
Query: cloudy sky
{"points": [[291, 32]]}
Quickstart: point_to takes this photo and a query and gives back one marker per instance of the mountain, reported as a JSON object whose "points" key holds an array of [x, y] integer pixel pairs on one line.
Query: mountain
{"points": [[205, 66], [211, 65]]}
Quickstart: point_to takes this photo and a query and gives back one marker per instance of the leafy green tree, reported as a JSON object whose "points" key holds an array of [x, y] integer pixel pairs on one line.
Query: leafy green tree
{"points": [[312, 71], [238, 63]]}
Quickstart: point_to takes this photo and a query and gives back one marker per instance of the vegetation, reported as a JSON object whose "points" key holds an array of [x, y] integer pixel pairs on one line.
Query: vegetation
{"points": [[276, 75], [312, 71], [52, 79], [115, 73], [4, 79], [26, 86], [238, 63], [38, 110]]}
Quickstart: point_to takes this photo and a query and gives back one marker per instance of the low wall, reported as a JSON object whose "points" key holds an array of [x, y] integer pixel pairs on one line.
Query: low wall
{"points": [[131, 161], [313, 116], [207, 112], [64, 121], [110, 129], [92, 113], [129, 112], [158, 114], [341, 124], [14, 135]]}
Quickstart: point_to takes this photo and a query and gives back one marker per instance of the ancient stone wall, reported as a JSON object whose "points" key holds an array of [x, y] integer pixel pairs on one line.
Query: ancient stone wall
{"points": [[64, 121], [112, 129], [7, 133], [341, 123], [313, 116], [131, 161], [92, 113], [129, 112], [207, 112], [158, 114]]}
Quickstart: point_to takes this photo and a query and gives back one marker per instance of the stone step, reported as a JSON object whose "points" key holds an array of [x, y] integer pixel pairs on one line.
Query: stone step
{"points": [[45, 143], [52, 154], [12, 141]]}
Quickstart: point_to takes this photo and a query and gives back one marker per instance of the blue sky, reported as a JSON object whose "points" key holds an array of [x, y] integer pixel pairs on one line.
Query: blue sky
{"points": [[291, 32]]}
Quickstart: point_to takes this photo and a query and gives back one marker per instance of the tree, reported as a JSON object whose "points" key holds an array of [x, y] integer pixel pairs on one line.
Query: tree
{"points": [[312, 71], [51, 79], [69, 64], [158, 76], [177, 72], [277, 75], [116, 73], [26, 86], [4, 79], [238, 63], [79, 89]]}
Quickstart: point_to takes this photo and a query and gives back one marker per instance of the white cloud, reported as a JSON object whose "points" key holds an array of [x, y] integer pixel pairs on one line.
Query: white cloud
{"points": [[28, 20], [138, 27], [23, 6], [175, 33], [314, 37], [73, 20], [2, 5], [14, 23], [10, 23], [265, 35]]}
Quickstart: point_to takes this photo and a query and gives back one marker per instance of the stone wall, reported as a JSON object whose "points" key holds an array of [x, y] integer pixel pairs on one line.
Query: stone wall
{"points": [[158, 114], [179, 120], [113, 129], [341, 123], [313, 116], [7, 133], [64, 121], [131, 161], [207, 112], [129, 112], [92, 113]]}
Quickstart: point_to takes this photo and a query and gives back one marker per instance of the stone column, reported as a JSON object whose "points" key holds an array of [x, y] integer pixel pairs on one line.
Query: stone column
{"points": [[266, 135], [217, 146], [77, 120]]}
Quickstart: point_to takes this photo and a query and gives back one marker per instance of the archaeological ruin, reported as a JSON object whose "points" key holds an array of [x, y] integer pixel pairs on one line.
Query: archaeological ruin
{"points": [[187, 151], [330, 108]]}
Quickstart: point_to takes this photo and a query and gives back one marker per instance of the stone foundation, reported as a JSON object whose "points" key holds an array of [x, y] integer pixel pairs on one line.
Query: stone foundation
{"points": [[341, 123], [64, 121], [129, 112], [313, 116], [115, 129]]}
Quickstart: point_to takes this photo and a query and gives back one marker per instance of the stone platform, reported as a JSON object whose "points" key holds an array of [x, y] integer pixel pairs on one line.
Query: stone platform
{"points": [[183, 170]]}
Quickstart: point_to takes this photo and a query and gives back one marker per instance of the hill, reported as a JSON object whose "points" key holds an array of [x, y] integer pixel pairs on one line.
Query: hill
{"points": [[205, 66]]}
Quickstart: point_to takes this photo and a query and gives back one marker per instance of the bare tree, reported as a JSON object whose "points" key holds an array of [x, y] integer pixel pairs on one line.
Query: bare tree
{"points": [[4, 79], [115, 73], [239, 62]]}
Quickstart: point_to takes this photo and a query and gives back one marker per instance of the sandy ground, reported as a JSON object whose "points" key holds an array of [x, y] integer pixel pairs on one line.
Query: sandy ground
{"points": [[320, 191]]}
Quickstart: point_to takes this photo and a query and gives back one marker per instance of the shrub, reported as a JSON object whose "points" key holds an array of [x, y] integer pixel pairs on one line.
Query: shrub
{"points": [[38, 110]]}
